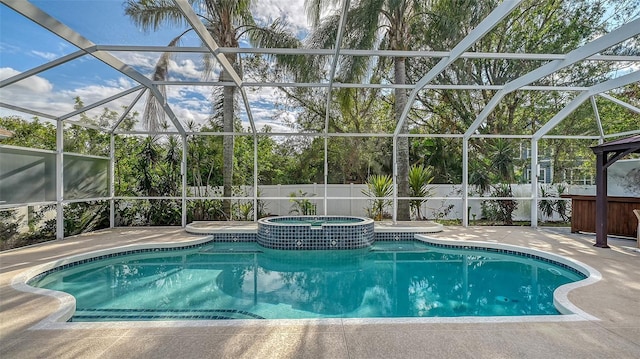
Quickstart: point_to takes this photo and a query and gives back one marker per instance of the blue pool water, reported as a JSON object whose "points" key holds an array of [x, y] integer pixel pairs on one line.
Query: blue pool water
{"points": [[247, 281]]}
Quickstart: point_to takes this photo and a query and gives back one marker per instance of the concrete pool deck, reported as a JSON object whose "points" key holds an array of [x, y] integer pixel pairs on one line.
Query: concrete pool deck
{"points": [[614, 300]]}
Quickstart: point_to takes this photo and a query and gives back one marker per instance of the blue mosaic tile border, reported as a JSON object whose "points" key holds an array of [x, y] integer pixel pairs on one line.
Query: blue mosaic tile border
{"points": [[395, 236], [111, 255], [233, 237], [115, 317], [147, 314], [509, 252], [285, 236], [293, 220]]}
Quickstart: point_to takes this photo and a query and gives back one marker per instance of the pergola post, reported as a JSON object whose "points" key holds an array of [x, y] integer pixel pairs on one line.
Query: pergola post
{"points": [[606, 155], [601, 201]]}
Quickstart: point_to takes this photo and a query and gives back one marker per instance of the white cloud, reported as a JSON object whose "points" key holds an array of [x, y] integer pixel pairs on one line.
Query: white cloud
{"points": [[125, 83], [189, 103], [185, 68], [121, 82], [91, 93], [181, 66], [265, 95], [6, 49], [185, 93], [144, 61], [263, 102], [45, 55], [293, 12], [32, 84], [38, 94], [186, 115]]}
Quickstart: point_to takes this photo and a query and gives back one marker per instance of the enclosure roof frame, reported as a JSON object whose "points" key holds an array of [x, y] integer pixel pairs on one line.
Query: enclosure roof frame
{"points": [[588, 51]]}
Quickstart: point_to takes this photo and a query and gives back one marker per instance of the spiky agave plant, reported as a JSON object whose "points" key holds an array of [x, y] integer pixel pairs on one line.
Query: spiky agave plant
{"points": [[379, 188], [419, 179]]}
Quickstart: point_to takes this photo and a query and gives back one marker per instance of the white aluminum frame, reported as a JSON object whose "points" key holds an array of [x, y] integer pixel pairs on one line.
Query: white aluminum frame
{"points": [[588, 52]]}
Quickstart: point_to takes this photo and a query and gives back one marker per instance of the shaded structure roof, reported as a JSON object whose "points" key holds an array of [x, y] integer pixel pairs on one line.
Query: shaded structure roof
{"points": [[626, 145]]}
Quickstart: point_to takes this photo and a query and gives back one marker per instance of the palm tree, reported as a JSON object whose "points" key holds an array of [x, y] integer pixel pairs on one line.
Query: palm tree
{"points": [[374, 24], [501, 153], [226, 21]]}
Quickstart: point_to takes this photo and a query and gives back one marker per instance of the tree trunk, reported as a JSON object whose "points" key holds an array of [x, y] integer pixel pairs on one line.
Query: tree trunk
{"points": [[227, 144], [404, 212]]}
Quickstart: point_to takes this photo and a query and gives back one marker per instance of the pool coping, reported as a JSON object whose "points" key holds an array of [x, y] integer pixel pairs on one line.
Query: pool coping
{"points": [[237, 227], [67, 303]]}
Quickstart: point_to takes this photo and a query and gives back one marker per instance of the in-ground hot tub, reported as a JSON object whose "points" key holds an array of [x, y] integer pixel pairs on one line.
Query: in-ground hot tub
{"points": [[315, 232]]}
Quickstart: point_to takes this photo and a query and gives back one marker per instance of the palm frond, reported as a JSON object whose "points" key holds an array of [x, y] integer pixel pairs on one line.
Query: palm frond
{"points": [[277, 35], [314, 9], [363, 24], [361, 33], [243, 12], [153, 14], [362, 28], [324, 35], [154, 116]]}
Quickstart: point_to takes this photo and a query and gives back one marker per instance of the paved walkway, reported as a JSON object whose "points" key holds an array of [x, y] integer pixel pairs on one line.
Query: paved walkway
{"points": [[615, 300]]}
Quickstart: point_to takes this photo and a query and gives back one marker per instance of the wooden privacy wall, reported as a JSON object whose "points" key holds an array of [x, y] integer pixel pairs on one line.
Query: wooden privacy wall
{"points": [[620, 217]]}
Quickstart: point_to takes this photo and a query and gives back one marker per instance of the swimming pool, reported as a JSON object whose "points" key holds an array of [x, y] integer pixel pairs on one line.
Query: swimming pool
{"points": [[246, 281]]}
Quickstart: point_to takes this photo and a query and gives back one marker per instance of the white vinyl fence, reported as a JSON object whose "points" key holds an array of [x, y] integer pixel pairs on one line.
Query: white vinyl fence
{"points": [[445, 201]]}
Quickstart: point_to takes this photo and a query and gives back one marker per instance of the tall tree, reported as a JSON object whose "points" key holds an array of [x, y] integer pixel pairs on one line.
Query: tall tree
{"points": [[227, 21], [549, 27], [374, 24]]}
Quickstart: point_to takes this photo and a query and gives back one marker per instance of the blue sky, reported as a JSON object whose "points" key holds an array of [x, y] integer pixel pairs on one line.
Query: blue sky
{"points": [[25, 45]]}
